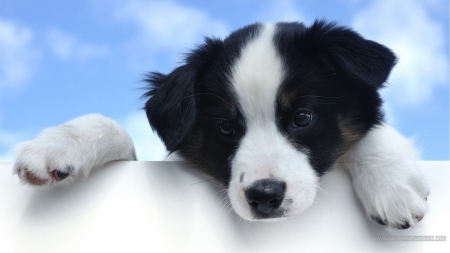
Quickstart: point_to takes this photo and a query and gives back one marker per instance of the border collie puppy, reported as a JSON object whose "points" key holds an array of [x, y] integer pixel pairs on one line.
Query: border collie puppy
{"points": [[266, 111]]}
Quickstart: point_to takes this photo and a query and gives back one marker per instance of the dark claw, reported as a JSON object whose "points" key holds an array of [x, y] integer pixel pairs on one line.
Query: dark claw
{"points": [[378, 220], [404, 226], [60, 175]]}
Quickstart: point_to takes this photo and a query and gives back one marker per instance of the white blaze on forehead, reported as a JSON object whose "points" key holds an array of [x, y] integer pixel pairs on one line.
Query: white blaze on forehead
{"points": [[264, 152], [257, 76]]}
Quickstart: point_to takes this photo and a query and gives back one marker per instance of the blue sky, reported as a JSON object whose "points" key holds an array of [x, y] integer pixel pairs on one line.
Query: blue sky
{"points": [[63, 59]]}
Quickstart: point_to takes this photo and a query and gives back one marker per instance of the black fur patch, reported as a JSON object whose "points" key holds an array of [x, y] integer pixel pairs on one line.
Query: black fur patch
{"points": [[335, 73]]}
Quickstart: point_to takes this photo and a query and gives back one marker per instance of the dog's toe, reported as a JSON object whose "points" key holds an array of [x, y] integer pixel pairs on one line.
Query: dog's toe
{"points": [[34, 179], [420, 217]]}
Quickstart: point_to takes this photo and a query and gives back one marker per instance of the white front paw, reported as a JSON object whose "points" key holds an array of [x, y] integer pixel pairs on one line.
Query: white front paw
{"points": [[397, 200], [64, 153], [53, 158], [387, 179]]}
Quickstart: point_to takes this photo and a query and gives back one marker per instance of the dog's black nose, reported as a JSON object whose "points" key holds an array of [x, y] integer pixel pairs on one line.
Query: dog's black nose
{"points": [[265, 196]]}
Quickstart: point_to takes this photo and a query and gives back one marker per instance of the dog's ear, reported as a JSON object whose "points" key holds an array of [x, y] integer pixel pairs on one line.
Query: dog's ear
{"points": [[172, 102], [363, 60]]}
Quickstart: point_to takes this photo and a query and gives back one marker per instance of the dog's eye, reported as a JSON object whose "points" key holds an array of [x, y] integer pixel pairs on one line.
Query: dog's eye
{"points": [[226, 128], [302, 118]]}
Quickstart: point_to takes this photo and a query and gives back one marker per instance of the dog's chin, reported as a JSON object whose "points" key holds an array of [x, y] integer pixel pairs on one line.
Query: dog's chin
{"points": [[282, 214], [277, 217], [271, 219]]}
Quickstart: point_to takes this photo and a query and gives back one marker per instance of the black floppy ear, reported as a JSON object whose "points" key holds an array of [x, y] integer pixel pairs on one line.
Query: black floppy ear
{"points": [[172, 102], [363, 60], [171, 109]]}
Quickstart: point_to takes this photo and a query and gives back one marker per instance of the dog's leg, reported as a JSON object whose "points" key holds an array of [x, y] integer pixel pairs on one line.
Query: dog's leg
{"points": [[61, 154], [386, 178]]}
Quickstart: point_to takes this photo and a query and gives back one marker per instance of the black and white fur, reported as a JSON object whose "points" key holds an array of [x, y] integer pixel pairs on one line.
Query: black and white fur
{"points": [[267, 111]]}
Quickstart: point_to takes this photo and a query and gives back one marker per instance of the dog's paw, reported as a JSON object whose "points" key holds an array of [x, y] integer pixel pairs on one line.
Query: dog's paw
{"points": [[398, 201], [61, 154], [45, 164], [387, 179], [39, 173], [401, 209], [53, 158]]}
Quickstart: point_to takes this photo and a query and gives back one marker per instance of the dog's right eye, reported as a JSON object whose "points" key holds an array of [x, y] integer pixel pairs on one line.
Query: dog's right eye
{"points": [[302, 118], [226, 129]]}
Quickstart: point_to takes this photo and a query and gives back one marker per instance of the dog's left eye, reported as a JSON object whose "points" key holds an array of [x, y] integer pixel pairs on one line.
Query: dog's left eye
{"points": [[302, 118], [226, 129]]}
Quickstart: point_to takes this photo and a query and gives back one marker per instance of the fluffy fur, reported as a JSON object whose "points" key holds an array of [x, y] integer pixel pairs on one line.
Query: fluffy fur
{"points": [[267, 111], [72, 150]]}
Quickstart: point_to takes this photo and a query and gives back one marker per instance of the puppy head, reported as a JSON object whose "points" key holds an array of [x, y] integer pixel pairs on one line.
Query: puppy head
{"points": [[268, 110]]}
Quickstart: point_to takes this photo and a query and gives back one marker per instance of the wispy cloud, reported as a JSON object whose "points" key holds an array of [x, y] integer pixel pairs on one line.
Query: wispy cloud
{"points": [[419, 41], [18, 60], [18, 56], [166, 24], [7, 141], [68, 47], [163, 30], [147, 145]]}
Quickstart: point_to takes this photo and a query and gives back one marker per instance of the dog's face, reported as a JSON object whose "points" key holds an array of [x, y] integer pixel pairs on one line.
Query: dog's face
{"points": [[270, 109]]}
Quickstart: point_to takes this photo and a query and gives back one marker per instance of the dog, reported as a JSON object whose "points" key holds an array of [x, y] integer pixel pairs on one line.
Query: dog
{"points": [[267, 111]]}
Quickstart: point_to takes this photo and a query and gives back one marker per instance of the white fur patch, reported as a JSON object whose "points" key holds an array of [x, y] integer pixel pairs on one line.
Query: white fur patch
{"points": [[257, 76], [264, 152], [81, 144], [386, 178]]}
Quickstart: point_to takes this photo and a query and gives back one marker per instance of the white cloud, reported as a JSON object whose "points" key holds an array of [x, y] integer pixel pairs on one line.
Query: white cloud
{"points": [[166, 24], [67, 47], [7, 141], [18, 58], [419, 41], [148, 146]]}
